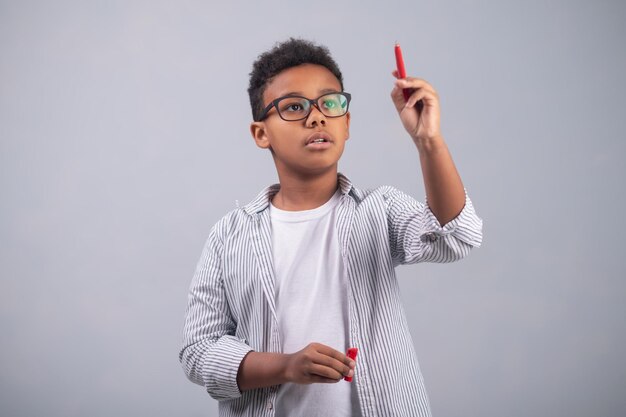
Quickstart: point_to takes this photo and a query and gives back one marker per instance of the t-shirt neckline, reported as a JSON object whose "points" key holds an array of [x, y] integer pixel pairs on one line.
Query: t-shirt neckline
{"points": [[305, 215]]}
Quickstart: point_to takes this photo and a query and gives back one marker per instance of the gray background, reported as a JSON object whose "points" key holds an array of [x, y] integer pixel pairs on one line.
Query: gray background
{"points": [[124, 138]]}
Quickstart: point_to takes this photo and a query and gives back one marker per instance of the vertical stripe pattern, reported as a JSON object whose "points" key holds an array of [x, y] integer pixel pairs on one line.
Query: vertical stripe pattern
{"points": [[231, 308]]}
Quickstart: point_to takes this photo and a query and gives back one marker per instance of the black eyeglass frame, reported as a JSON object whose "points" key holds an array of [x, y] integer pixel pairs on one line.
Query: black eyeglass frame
{"points": [[312, 102]]}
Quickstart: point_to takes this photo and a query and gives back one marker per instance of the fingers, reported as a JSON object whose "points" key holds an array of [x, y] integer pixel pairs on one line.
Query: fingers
{"points": [[319, 363], [339, 356], [413, 85], [325, 372], [343, 359], [416, 97], [411, 82], [334, 359], [421, 90], [330, 363], [316, 379], [336, 367], [417, 103], [398, 98]]}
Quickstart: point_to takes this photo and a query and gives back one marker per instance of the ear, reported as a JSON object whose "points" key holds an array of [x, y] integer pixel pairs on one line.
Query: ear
{"points": [[347, 125], [259, 134]]}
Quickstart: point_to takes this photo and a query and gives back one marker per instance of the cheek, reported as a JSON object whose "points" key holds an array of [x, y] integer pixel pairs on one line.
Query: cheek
{"points": [[283, 138], [345, 127], [345, 131]]}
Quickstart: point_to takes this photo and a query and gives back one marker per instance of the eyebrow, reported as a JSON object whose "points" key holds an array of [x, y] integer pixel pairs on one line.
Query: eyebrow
{"points": [[298, 93]]}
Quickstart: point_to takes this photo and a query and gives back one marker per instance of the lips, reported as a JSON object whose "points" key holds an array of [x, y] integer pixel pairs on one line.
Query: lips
{"points": [[318, 137]]}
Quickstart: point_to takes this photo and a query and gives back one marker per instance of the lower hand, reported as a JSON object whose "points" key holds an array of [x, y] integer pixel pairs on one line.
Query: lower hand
{"points": [[318, 363]]}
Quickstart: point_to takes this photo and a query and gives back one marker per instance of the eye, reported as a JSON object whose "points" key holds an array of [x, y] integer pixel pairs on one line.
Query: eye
{"points": [[292, 105], [331, 103], [334, 104]]}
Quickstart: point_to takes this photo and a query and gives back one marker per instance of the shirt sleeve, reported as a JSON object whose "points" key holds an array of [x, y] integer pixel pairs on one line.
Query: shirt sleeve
{"points": [[211, 353], [415, 234]]}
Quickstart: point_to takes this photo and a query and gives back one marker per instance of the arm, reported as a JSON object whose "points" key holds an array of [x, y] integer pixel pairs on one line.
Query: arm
{"points": [[211, 352], [446, 228], [444, 189], [316, 363], [415, 234], [214, 357]]}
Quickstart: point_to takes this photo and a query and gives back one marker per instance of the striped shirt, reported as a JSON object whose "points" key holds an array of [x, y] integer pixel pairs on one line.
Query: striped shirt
{"points": [[231, 308]]}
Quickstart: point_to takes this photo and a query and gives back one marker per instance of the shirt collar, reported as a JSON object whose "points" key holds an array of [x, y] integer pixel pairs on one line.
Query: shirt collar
{"points": [[262, 200]]}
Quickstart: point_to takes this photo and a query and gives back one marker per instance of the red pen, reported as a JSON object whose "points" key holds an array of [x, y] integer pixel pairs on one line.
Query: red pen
{"points": [[352, 352], [406, 92], [401, 70]]}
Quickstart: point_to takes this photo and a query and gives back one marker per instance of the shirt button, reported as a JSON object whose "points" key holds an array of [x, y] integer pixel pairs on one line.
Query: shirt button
{"points": [[429, 237], [269, 405]]}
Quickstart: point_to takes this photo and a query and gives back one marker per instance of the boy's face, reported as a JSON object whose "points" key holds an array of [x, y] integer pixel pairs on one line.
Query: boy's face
{"points": [[290, 141]]}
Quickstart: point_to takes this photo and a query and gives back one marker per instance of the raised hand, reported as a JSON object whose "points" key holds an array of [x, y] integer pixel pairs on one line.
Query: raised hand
{"points": [[421, 121]]}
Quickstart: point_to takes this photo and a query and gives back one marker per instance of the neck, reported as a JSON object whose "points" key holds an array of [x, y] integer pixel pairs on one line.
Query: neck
{"points": [[301, 192]]}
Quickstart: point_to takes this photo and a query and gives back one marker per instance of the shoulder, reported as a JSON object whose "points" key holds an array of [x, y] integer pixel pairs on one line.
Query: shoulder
{"points": [[227, 222], [244, 217], [231, 224], [381, 194]]}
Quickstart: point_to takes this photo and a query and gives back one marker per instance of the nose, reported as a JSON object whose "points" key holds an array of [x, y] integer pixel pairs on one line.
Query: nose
{"points": [[315, 118]]}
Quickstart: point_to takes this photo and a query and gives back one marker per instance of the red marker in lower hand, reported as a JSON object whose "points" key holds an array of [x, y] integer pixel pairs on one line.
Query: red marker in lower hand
{"points": [[352, 352]]}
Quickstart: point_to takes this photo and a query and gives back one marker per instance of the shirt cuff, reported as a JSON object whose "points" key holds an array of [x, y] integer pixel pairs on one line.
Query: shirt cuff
{"points": [[225, 361], [466, 227]]}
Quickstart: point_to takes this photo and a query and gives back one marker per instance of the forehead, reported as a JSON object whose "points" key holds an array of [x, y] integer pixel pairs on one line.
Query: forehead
{"points": [[309, 80]]}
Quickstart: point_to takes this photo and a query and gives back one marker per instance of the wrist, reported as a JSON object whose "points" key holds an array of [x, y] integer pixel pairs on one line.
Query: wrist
{"points": [[284, 368], [263, 369], [429, 145]]}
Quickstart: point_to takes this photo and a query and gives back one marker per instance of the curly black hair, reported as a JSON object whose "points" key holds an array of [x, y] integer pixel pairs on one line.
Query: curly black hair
{"points": [[282, 56]]}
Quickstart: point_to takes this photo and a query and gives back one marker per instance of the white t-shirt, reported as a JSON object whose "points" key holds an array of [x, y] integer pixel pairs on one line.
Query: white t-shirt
{"points": [[311, 303]]}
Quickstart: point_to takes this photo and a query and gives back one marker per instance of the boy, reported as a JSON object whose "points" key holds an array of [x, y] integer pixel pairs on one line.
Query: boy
{"points": [[287, 283]]}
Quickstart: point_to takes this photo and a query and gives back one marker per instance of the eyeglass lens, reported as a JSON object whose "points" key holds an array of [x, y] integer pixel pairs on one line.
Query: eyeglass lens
{"points": [[296, 108]]}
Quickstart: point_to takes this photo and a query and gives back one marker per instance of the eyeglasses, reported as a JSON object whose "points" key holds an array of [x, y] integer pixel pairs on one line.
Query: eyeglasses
{"points": [[292, 108]]}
